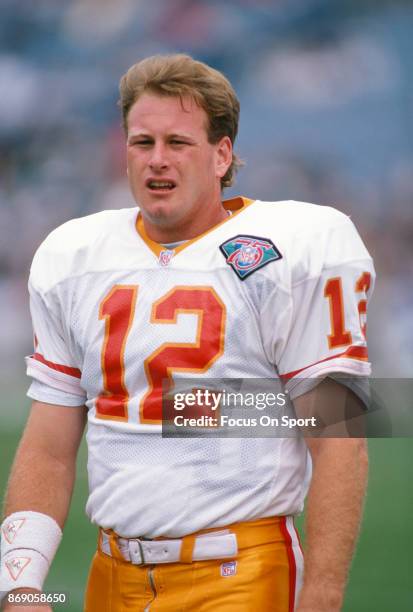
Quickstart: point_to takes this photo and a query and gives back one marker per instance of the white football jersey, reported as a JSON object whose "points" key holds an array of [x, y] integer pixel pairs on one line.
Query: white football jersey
{"points": [[276, 291]]}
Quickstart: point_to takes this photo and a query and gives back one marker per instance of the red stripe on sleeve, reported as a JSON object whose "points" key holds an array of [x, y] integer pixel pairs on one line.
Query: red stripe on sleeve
{"points": [[291, 563], [57, 366], [353, 352]]}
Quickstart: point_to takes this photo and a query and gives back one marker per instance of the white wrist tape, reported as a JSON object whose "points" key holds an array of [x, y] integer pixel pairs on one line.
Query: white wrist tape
{"points": [[29, 541]]}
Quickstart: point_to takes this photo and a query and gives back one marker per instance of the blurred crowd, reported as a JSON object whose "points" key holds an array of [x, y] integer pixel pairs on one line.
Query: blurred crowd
{"points": [[326, 116]]}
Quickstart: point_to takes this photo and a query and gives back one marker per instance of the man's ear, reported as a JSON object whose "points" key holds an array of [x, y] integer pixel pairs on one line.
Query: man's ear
{"points": [[224, 156]]}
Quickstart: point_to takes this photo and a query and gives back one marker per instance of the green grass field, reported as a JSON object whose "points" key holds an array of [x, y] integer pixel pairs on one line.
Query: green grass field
{"points": [[381, 578]]}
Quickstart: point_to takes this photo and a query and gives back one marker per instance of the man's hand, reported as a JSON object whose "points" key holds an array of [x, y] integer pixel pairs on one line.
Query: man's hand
{"points": [[312, 599], [9, 606]]}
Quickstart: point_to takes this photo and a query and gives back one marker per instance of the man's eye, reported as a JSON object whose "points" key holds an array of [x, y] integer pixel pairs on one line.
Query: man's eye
{"points": [[144, 142], [175, 141]]}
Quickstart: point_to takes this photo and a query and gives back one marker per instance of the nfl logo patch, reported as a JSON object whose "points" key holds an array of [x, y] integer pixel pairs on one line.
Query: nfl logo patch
{"points": [[246, 254], [229, 569], [165, 257]]}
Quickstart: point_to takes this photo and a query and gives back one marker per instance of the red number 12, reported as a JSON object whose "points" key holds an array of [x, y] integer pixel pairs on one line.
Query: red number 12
{"points": [[117, 309], [334, 292]]}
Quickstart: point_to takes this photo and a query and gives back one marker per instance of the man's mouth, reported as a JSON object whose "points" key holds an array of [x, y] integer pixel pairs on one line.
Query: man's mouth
{"points": [[161, 185]]}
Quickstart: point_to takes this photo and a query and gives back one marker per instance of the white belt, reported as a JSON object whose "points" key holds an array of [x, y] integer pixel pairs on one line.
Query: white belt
{"points": [[213, 545]]}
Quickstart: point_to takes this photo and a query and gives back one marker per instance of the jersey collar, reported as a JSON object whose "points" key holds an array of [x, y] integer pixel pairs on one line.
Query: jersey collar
{"points": [[235, 205]]}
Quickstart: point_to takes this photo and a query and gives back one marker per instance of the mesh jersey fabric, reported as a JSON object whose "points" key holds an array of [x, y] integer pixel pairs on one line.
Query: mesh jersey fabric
{"points": [[274, 324]]}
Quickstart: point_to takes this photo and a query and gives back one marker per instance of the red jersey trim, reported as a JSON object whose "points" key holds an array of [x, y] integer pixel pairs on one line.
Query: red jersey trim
{"points": [[57, 366], [353, 352]]}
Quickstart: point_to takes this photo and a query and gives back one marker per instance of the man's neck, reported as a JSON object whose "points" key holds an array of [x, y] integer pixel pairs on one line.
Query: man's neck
{"points": [[182, 233]]}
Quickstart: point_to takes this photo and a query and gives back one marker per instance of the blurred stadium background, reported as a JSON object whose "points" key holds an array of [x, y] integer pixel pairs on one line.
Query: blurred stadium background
{"points": [[327, 116]]}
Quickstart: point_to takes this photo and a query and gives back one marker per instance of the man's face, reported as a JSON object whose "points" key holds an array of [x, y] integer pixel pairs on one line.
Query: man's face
{"points": [[174, 172]]}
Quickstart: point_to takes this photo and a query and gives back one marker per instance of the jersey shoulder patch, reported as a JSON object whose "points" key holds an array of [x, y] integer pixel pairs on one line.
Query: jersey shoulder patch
{"points": [[247, 254]]}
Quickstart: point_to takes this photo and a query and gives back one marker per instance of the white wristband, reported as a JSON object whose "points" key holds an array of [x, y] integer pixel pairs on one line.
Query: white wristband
{"points": [[29, 541]]}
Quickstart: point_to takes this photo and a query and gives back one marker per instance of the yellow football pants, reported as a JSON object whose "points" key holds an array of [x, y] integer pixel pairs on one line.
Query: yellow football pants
{"points": [[265, 576]]}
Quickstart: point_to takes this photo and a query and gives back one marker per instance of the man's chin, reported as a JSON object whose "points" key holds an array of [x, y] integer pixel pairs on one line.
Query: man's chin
{"points": [[161, 216]]}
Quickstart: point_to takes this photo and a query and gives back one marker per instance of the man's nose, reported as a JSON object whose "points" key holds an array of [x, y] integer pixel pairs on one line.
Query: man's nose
{"points": [[159, 158]]}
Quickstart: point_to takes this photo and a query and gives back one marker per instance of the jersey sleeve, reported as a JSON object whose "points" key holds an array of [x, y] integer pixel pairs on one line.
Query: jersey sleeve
{"points": [[321, 329], [53, 368]]}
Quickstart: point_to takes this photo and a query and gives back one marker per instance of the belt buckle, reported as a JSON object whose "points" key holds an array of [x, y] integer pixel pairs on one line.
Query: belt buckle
{"points": [[148, 552], [136, 551], [141, 552]]}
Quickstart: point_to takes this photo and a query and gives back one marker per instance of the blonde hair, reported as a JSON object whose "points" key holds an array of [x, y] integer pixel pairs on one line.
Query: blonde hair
{"points": [[180, 75]]}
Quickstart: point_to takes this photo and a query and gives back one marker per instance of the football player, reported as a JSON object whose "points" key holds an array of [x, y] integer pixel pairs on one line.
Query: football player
{"points": [[187, 286]]}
